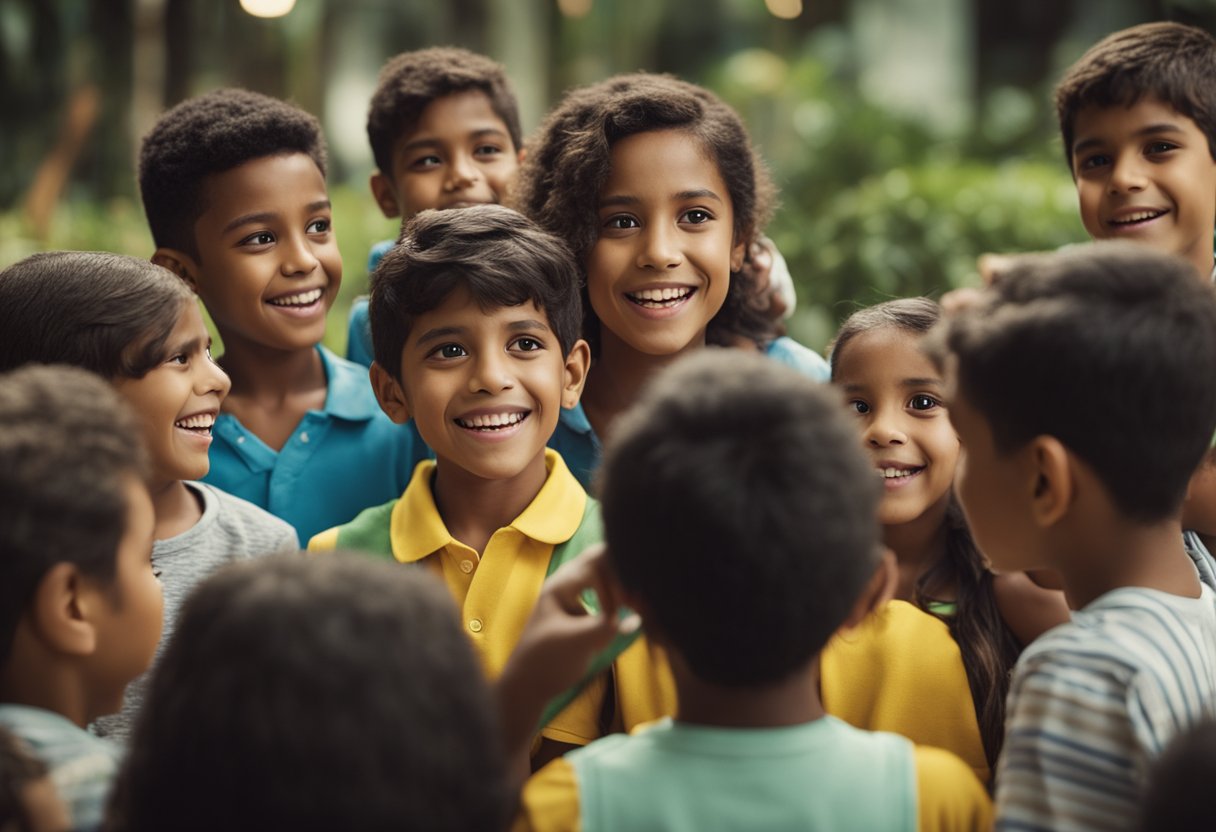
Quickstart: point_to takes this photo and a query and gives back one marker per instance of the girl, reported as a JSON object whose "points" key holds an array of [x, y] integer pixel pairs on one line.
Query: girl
{"points": [[948, 642], [656, 187], [138, 326]]}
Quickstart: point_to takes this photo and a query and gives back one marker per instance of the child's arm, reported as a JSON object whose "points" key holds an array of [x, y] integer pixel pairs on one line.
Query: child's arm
{"points": [[556, 647], [1028, 608]]}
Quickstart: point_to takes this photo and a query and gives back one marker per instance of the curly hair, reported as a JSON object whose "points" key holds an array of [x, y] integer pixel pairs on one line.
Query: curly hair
{"points": [[569, 160], [1168, 61], [412, 80], [211, 134]]}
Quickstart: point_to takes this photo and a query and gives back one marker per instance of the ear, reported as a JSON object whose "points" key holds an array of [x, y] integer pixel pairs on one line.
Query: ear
{"points": [[736, 256], [523, 154], [577, 364], [180, 263], [1050, 479], [61, 610], [877, 592], [385, 195], [389, 394]]}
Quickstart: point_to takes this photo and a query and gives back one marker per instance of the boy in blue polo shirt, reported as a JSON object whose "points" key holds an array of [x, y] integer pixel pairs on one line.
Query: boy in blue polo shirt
{"points": [[233, 184]]}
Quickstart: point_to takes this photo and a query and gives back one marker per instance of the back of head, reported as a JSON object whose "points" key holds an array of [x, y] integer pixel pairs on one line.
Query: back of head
{"points": [[1184, 770], [412, 80], [498, 255], [1111, 349], [211, 134], [315, 694], [739, 507], [68, 445], [107, 313], [1171, 62]]}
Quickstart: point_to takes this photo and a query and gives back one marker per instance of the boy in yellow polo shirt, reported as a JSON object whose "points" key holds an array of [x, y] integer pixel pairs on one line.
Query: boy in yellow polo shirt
{"points": [[475, 319]]}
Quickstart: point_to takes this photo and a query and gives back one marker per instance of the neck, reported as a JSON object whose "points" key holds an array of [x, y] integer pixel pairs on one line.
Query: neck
{"points": [[792, 701], [473, 508], [1129, 555], [177, 509], [260, 372], [917, 546], [617, 378], [36, 679]]}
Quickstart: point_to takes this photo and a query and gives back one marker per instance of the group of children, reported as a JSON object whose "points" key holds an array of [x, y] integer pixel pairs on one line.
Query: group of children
{"points": [[937, 582]]}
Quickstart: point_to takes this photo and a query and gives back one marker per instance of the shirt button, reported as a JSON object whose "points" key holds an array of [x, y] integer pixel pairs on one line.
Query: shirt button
{"points": [[466, 566], [240, 440], [475, 625], [304, 437]]}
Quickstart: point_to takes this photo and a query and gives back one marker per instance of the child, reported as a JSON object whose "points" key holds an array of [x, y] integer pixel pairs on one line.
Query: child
{"points": [[654, 184], [233, 184], [1064, 363], [80, 605], [139, 327], [475, 318], [732, 494], [347, 699], [922, 675], [28, 800], [1137, 117]]}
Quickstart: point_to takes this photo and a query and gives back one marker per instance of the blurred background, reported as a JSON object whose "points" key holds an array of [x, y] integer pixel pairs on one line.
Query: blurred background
{"points": [[907, 136]]}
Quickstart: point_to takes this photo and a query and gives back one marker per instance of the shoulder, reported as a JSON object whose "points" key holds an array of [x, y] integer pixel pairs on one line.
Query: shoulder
{"points": [[950, 797], [369, 531], [250, 530], [549, 800], [787, 351]]}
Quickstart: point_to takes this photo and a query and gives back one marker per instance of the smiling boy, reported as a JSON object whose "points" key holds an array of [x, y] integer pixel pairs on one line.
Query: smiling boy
{"points": [[1137, 116], [233, 184], [475, 322]]}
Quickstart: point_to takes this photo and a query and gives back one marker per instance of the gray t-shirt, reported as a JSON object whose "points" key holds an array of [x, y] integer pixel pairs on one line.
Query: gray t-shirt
{"points": [[231, 529]]}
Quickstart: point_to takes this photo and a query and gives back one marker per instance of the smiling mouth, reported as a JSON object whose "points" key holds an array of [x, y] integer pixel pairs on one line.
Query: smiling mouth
{"points": [[889, 474], [660, 298], [1138, 217], [200, 423], [299, 299], [492, 421]]}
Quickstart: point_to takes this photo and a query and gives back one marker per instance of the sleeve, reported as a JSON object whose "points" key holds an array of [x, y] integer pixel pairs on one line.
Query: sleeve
{"points": [[289, 542], [324, 541], [549, 802], [1069, 746], [950, 796], [579, 722]]}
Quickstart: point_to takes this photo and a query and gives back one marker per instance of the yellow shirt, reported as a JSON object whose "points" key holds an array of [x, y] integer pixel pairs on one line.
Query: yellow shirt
{"points": [[497, 590], [901, 671]]}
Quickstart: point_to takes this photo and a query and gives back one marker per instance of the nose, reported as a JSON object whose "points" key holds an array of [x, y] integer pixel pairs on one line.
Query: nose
{"points": [[660, 249], [883, 430], [298, 257], [1127, 173], [462, 172], [490, 373], [211, 378]]}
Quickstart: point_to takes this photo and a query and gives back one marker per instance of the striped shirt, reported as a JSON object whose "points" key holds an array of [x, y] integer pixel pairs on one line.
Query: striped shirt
{"points": [[1094, 701]]}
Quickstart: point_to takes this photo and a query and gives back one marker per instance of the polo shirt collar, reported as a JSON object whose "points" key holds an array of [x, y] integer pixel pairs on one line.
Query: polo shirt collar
{"points": [[416, 530], [349, 390]]}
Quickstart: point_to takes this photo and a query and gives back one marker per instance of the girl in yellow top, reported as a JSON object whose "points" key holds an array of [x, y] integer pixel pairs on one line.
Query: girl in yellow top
{"points": [[934, 665]]}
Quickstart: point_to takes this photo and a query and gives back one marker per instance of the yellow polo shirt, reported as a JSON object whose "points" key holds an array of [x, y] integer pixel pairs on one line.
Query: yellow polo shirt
{"points": [[496, 591]]}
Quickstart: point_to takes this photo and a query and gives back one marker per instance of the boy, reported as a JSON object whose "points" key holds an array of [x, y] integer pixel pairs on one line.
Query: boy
{"points": [[1137, 117], [475, 319], [444, 130], [1053, 375], [80, 607], [233, 185], [739, 519]]}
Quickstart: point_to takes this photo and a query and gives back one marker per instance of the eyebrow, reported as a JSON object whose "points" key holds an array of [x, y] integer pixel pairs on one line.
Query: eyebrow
{"points": [[1162, 127], [260, 217], [525, 325], [427, 141], [907, 382], [191, 346], [680, 196]]}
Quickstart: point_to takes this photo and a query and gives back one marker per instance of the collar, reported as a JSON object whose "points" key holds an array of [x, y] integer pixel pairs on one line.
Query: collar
{"points": [[416, 530], [348, 392], [574, 418]]}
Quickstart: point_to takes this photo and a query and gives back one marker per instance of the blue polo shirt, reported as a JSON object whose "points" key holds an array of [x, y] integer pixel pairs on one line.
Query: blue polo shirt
{"points": [[337, 462]]}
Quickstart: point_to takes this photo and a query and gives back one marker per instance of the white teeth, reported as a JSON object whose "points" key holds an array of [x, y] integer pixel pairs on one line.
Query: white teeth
{"points": [[200, 421], [663, 297], [493, 420], [896, 473], [301, 299], [1139, 216]]}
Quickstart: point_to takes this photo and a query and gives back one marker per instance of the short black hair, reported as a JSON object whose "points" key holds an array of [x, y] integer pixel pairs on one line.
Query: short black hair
{"points": [[68, 446], [315, 693], [738, 504], [1172, 62], [108, 313], [18, 769], [570, 158], [498, 255], [1108, 347], [210, 134], [1184, 770], [412, 80]]}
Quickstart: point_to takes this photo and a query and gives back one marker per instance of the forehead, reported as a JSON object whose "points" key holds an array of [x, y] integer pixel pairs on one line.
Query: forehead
{"points": [[455, 114], [662, 162], [460, 310], [884, 355], [269, 183], [1116, 121]]}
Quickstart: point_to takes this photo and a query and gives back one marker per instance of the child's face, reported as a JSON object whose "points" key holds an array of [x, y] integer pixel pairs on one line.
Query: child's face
{"points": [[130, 609], [897, 396], [1145, 173], [177, 402], [269, 266], [660, 269], [459, 153], [484, 387]]}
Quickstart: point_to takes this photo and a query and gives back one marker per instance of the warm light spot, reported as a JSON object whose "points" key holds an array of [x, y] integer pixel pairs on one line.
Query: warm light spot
{"points": [[784, 9], [268, 8], [574, 8]]}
